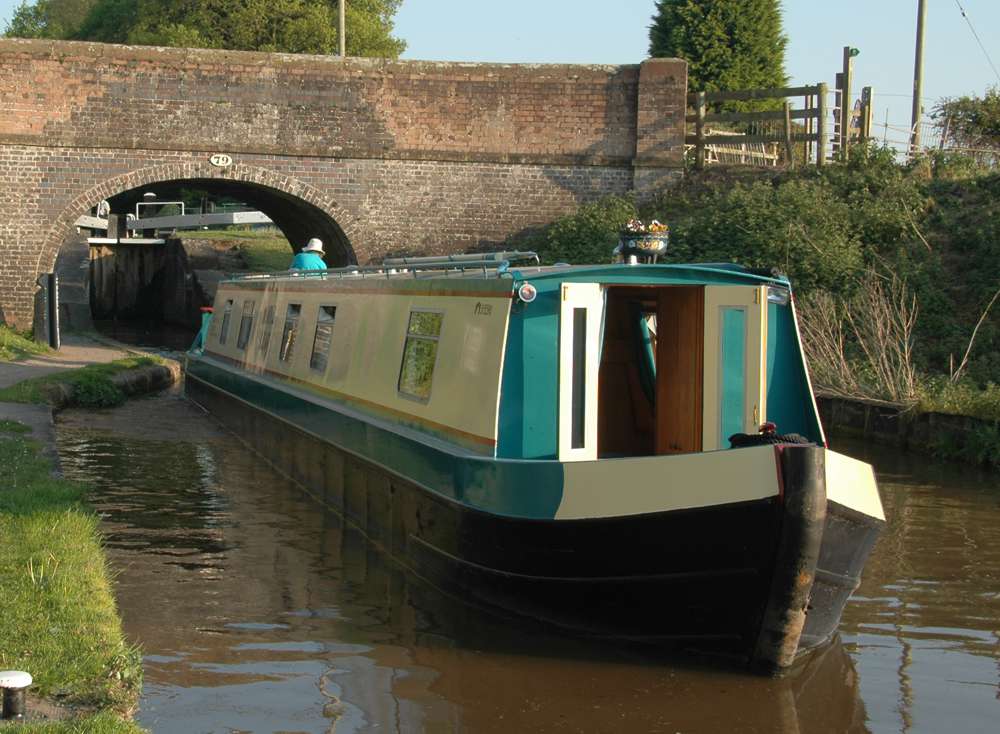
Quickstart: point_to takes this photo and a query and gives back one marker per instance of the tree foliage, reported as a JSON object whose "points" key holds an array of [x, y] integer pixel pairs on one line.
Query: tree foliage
{"points": [[293, 26], [728, 44], [973, 123]]}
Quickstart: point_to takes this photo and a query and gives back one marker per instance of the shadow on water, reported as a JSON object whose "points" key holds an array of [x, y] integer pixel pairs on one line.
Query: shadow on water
{"points": [[259, 611]]}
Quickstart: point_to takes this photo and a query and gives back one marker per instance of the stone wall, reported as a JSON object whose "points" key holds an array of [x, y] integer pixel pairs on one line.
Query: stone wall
{"points": [[402, 156]]}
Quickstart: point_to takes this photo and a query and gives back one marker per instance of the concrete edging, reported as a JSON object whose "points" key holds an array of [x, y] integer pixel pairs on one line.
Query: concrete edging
{"points": [[137, 381], [897, 425]]}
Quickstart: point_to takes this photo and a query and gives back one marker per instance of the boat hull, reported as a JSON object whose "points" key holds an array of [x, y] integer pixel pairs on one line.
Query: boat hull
{"points": [[720, 579]]}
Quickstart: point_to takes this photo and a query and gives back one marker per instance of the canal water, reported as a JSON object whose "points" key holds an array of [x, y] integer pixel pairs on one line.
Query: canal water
{"points": [[259, 612]]}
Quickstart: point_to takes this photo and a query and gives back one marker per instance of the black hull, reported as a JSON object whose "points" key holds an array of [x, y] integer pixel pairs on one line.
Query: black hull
{"points": [[702, 579]]}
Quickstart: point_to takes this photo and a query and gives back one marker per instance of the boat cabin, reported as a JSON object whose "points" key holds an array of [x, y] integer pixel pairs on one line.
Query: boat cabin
{"points": [[565, 363]]}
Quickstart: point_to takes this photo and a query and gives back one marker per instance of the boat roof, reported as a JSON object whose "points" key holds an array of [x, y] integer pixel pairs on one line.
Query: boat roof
{"points": [[500, 265]]}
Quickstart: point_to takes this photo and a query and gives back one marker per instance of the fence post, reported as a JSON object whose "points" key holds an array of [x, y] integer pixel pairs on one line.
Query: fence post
{"points": [[699, 150], [821, 125], [810, 128], [789, 148], [944, 133], [867, 110], [845, 102]]}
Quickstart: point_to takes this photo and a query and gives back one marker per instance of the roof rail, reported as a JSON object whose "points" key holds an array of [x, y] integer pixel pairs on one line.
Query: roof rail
{"points": [[474, 258], [414, 267]]}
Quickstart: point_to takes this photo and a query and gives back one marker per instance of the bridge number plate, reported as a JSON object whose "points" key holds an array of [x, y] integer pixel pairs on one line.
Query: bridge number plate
{"points": [[221, 160]]}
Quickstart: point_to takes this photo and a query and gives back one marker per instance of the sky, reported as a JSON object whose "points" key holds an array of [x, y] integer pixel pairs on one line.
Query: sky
{"points": [[601, 32]]}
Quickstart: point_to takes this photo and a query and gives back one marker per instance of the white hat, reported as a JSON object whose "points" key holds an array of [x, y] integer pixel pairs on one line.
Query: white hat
{"points": [[314, 245]]}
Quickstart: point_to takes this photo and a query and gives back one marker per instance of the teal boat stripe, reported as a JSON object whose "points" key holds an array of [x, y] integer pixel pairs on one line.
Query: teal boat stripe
{"points": [[521, 489]]}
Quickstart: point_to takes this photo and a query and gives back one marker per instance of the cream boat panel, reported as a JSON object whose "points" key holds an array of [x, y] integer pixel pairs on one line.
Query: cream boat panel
{"points": [[851, 483], [635, 486], [367, 349]]}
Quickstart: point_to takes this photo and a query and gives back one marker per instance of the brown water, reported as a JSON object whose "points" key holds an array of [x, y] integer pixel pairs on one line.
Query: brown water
{"points": [[258, 611]]}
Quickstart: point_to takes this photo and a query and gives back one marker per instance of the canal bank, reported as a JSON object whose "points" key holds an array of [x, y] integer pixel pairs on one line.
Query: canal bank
{"points": [[943, 435], [60, 621]]}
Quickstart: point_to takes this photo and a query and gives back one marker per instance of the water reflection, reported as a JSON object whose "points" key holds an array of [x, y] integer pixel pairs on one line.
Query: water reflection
{"points": [[259, 611], [923, 627]]}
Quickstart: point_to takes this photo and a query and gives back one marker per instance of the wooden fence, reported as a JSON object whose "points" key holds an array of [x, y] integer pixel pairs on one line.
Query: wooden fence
{"points": [[813, 129]]}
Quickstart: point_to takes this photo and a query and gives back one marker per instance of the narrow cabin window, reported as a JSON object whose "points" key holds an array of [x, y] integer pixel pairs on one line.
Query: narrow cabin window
{"points": [[246, 324], [265, 330], [323, 337], [226, 316], [290, 331], [420, 354]]}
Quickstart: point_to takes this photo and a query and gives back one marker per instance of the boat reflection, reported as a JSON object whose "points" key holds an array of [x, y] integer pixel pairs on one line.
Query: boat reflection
{"points": [[259, 611]]}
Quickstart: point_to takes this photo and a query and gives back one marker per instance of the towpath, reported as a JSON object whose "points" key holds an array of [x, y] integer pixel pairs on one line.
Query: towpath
{"points": [[77, 351]]}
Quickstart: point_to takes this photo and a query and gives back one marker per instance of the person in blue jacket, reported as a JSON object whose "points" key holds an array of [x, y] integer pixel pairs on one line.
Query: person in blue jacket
{"points": [[309, 257]]}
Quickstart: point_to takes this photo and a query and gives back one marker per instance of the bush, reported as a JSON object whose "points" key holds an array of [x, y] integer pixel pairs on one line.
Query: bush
{"points": [[796, 225], [589, 236], [99, 392]]}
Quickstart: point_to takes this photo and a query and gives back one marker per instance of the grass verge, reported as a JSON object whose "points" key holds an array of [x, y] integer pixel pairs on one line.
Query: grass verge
{"points": [[15, 346], [59, 618], [103, 723], [92, 386], [263, 250]]}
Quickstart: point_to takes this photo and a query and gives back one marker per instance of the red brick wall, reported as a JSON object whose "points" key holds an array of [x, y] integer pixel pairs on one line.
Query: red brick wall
{"points": [[432, 156]]}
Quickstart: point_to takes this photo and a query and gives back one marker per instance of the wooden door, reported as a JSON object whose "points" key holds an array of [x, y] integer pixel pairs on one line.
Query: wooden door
{"points": [[679, 370]]}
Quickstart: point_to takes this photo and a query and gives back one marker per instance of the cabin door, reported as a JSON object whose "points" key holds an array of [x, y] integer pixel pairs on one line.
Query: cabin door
{"points": [[735, 363], [581, 315]]}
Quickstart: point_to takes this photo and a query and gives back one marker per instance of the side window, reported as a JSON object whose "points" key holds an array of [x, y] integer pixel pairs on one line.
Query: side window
{"points": [[246, 324], [322, 338], [420, 354], [290, 331], [227, 314], [265, 330]]}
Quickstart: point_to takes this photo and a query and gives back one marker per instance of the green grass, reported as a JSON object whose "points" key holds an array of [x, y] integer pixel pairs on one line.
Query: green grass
{"points": [[7, 426], [263, 250], [59, 618], [942, 396], [92, 384], [15, 346], [103, 723]]}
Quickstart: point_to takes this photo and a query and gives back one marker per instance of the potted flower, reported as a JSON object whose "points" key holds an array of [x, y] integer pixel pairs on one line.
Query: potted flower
{"points": [[647, 241]]}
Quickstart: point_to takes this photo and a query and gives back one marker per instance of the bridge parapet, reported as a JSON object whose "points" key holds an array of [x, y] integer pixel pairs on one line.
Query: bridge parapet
{"points": [[404, 156]]}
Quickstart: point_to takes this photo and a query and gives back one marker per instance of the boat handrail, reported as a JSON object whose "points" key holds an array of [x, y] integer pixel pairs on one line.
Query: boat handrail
{"points": [[434, 266]]}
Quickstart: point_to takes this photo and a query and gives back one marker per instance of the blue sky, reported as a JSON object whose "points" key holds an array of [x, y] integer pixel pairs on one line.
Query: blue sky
{"points": [[597, 31]]}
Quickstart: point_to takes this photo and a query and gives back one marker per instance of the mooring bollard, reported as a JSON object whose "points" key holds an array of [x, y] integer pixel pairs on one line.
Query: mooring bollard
{"points": [[14, 684]]}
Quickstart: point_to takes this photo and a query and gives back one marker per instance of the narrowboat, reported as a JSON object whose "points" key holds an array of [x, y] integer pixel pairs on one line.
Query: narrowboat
{"points": [[579, 445]]}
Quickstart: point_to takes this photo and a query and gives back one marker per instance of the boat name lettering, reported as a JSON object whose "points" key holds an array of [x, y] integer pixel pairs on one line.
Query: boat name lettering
{"points": [[483, 309]]}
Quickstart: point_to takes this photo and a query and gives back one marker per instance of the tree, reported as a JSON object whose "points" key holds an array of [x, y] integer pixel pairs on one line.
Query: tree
{"points": [[728, 44], [48, 18], [293, 26], [973, 124]]}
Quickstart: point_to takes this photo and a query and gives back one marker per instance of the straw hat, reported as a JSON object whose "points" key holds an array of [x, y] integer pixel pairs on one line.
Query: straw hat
{"points": [[314, 245]]}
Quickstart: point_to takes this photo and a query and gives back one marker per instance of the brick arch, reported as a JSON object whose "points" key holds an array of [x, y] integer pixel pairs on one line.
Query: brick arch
{"points": [[56, 233]]}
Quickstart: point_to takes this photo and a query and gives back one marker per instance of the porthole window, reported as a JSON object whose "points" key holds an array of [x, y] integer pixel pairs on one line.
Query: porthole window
{"points": [[420, 354], [321, 340], [246, 324], [290, 331]]}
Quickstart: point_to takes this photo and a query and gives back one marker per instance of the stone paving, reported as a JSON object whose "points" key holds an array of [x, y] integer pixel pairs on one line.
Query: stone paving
{"points": [[77, 351]]}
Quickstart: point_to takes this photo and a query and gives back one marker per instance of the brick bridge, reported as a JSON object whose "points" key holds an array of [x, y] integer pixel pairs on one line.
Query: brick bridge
{"points": [[374, 156]]}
